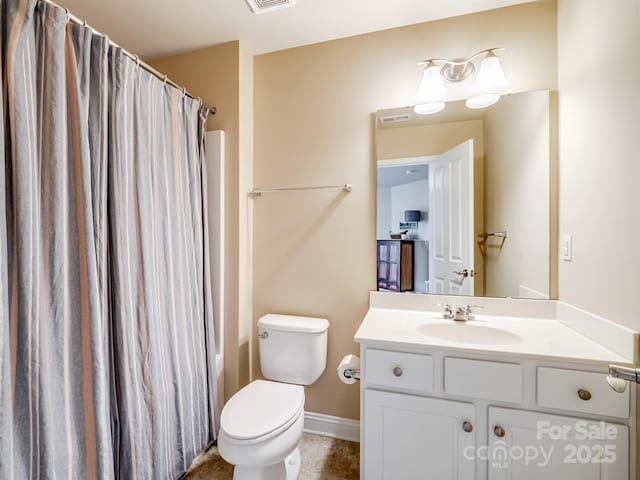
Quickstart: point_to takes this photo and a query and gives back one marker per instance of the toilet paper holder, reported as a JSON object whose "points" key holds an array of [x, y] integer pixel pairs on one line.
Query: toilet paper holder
{"points": [[352, 373]]}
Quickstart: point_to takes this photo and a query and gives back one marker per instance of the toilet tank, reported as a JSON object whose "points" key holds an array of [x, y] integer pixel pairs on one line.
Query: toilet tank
{"points": [[292, 349]]}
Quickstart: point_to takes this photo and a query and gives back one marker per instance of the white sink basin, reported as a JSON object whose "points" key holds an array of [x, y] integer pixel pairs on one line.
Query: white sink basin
{"points": [[461, 332]]}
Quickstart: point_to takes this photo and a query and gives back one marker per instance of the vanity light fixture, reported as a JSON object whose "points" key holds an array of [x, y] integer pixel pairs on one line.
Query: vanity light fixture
{"points": [[489, 82]]}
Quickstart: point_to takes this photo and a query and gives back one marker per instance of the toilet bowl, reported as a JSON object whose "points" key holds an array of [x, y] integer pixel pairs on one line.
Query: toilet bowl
{"points": [[260, 428], [262, 424]]}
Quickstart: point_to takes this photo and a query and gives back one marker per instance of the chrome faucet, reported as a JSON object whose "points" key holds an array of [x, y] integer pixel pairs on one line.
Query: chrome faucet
{"points": [[461, 313], [465, 313]]}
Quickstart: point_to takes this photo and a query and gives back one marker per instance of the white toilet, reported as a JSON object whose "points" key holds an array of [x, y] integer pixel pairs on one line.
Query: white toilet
{"points": [[261, 425]]}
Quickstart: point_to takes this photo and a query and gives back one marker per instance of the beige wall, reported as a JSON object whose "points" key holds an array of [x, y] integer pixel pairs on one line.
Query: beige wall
{"points": [[245, 216], [314, 252], [599, 113], [214, 74], [425, 140], [517, 159], [422, 140]]}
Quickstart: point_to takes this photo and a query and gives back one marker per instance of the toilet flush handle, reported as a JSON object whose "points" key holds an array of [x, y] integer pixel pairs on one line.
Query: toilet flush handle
{"points": [[264, 335]]}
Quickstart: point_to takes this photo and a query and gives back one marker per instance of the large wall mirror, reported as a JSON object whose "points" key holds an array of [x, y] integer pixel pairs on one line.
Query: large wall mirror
{"points": [[465, 199]]}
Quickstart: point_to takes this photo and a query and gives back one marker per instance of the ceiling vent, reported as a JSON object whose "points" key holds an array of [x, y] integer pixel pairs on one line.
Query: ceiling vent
{"points": [[264, 6], [405, 117]]}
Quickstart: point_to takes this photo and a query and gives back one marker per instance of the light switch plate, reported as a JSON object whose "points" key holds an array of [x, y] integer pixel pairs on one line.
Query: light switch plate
{"points": [[567, 248]]}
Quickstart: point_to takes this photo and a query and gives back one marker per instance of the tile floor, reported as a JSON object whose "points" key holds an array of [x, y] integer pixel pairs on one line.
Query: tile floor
{"points": [[323, 458]]}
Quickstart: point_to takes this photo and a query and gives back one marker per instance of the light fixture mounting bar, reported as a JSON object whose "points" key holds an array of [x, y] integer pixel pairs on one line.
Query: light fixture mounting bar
{"points": [[458, 70]]}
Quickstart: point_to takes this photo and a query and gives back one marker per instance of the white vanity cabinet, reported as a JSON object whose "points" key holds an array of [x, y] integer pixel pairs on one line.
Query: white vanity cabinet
{"points": [[451, 415]]}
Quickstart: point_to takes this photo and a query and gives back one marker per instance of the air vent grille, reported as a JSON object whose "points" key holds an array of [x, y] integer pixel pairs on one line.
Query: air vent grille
{"points": [[405, 117], [264, 6]]}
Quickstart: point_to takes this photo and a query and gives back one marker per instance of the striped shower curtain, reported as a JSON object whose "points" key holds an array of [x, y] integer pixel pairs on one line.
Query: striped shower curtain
{"points": [[106, 334]]}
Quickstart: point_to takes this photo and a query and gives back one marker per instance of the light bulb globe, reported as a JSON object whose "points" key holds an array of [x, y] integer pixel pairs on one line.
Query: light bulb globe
{"points": [[482, 101], [428, 108], [490, 78], [432, 87]]}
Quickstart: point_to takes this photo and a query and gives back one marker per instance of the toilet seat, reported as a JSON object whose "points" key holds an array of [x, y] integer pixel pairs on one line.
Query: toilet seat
{"points": [[261, 410]]}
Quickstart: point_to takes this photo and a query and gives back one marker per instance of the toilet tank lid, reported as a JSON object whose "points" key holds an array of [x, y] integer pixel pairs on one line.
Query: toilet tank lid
{"points": [[292, 323]]}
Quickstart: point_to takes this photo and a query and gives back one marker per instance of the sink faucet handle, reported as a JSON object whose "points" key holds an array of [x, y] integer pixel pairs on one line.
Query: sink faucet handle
{"points": [[448, 310], [447, 306], [468, 311], [475, 306]]}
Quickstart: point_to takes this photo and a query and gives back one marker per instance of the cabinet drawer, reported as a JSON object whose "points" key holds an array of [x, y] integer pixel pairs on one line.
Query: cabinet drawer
{"points": [[481, 379], [559, 388], [409, 371]]}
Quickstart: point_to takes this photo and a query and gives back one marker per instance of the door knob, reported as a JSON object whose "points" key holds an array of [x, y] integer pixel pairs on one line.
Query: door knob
{"points": [[397, 372], [499, 431], [464, 273], [467, 427]]}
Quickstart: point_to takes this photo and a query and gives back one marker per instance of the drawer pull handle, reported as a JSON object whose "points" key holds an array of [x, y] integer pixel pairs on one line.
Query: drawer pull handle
{"points": [[397, 372], [584, 394], [467, 427], [498, 431]]}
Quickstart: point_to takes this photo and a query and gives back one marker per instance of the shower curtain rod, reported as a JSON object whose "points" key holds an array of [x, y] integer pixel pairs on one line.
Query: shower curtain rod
{"points": [[135, 58]]}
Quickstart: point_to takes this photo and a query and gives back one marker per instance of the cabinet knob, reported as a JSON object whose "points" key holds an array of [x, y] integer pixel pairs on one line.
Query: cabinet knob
{"points": [[498, 431], [467, 427], [584, 394], [397, 372]]}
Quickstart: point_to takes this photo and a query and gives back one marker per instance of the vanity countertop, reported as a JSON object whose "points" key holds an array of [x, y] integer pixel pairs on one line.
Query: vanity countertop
{"points": [[540, 338]]}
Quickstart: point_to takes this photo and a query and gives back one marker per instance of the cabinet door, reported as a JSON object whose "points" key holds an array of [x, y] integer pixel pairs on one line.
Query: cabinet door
{"points": [[394, 266], [383, 265], [410, 438], [394, 251], [533, 446]]}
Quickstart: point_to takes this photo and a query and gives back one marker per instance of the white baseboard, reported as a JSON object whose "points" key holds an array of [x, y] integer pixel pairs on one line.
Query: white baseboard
{"points": [[330, 426]]}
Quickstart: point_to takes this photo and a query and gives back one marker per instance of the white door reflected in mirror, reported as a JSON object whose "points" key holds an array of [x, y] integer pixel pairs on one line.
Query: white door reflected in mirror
{"points": [[451, 214]]}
